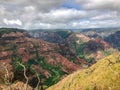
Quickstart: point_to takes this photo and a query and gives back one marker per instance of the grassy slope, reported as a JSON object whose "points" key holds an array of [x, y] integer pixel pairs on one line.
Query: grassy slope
{"points": [[100, 76]]}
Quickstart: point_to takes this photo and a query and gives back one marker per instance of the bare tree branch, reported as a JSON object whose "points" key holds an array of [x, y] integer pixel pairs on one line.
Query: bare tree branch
{"points": [[26, 85]]}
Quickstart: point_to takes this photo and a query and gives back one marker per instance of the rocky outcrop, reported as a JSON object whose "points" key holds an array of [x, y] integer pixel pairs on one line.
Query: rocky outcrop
{"points": [[15, 86], [21, 45], [114, 39], [6, 72], [48, 36]]}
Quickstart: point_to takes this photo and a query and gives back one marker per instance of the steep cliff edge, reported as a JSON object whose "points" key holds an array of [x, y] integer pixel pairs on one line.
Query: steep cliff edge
{"points": [[104, 75]]}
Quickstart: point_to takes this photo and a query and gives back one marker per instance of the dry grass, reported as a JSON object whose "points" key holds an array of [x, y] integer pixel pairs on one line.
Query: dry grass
{"points": [[104, 75]]}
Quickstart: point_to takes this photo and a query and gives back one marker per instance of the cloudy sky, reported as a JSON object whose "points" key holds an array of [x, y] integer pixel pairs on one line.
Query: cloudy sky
{"points": [[59, 14]]}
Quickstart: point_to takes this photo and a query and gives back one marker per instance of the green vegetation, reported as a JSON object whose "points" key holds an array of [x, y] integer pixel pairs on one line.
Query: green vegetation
{"points": [[85, 49], [63, 34], [8, 30], [80, 49], [55, 72], [104, 75], [94, 46]]}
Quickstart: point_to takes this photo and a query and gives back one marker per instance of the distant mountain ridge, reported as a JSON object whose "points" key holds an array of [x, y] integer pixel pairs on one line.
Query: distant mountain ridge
{"points": [[82, 45]]}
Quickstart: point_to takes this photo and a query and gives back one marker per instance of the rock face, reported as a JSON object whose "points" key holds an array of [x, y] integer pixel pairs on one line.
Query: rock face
{"points": [[99, 32], [89, 48], [114, 39], [6, 72], [78, 45], [48, 36], [20, 44], [15, 86]]}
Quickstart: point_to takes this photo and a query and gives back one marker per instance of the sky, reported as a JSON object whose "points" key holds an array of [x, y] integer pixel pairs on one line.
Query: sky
{"points": [[59, 14]]}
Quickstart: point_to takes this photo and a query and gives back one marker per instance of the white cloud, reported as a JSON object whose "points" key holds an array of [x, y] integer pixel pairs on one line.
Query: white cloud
{"points": [[12, 22], [61, 16], [57, 18], [2, 10], [48, 26], [29, 8], [30, 14], [42, 5], [106, 16], [96, 24], [100, 4]]}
